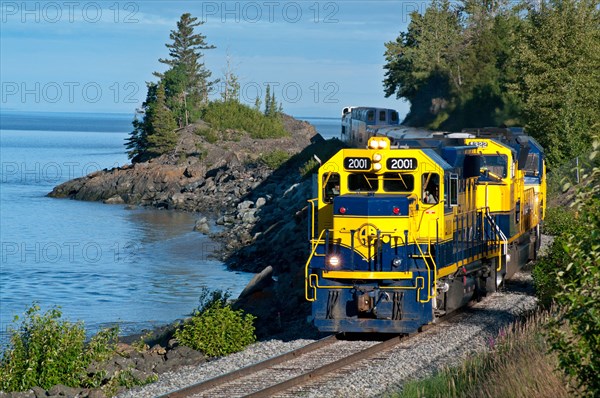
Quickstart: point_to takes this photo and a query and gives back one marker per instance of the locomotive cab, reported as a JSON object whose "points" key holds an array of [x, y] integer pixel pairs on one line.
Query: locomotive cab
{"points": [[383, 229]]}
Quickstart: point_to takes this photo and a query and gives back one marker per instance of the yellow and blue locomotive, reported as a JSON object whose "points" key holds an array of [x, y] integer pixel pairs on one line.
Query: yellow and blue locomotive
{"points": [[416, 225]]}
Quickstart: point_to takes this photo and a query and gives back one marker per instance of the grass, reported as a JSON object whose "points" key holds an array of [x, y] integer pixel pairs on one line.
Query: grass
{"points": [[235, 116], [518, 365]]}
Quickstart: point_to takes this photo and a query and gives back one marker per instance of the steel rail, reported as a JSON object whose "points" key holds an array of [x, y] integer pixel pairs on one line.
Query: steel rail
{"points": [[329, 368], [310, 375], [250, 369]]}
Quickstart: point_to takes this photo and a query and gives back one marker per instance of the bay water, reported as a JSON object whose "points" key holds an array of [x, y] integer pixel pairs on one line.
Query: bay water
{"points": [[102, 264]]}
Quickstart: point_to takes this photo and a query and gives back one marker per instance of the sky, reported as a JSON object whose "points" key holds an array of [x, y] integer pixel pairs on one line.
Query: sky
{"points": [[96, 56]]}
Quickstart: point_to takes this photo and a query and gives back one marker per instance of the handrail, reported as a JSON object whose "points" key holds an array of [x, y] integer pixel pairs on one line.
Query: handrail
{"points": [[315, 245], [312, 217], [429, 295], [504, 239]]}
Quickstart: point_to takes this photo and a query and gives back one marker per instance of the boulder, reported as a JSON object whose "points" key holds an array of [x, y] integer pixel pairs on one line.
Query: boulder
{"points": [[202, 226], [245, 205], [258, 282], [260, 202]]}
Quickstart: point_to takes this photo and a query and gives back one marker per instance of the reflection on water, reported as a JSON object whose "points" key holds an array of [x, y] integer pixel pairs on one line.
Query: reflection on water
{"points": [[99, 263]]}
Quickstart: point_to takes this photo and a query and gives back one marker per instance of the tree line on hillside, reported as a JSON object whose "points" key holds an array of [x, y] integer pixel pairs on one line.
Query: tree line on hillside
{"points": [[181, 97], [476, 63]]}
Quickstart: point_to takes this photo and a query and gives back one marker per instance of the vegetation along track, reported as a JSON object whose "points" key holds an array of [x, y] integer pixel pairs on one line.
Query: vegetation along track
{"points": [[275, 376]]}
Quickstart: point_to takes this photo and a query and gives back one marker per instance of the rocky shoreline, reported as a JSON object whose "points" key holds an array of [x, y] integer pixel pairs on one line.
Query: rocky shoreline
{"points": [[259, 208], [254, 209]]}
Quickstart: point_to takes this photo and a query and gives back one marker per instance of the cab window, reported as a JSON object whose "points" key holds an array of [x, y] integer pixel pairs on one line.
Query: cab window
{"points": [[371, 116], [331, 187], [430, 183], [532, 167], [493, 167], [398, 182], [382, 116], [363, 182]]}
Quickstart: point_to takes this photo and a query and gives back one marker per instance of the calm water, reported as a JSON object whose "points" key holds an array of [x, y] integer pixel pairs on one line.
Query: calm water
{"points": [[100, 263], [327, 127]]}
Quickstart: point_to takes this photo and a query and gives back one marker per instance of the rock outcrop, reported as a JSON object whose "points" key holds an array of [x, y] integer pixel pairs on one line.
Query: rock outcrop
{"points": [[260, 213]]}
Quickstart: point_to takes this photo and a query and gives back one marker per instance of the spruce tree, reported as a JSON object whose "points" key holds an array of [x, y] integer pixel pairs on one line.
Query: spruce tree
{"points": [[268, 101], [183, 91], [188, 79], [231, 84], [163, 137]]}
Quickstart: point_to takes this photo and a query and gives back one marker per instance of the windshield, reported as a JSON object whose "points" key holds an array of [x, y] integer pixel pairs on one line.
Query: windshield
{"points": [[493, 167], [398, 182], [362, 182]]}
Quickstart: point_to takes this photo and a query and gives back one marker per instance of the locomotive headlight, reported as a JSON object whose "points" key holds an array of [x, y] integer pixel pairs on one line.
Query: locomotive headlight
{"points": [[376, 166], [382, 144], [333, 261], [374, 144], [377, 157]]}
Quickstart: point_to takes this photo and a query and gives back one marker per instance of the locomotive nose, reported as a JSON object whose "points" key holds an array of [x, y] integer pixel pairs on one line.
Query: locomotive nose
{"points": [[371, 206]]}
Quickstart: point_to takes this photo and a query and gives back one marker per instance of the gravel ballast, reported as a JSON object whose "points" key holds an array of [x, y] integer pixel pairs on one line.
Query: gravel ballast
{"points": [[472, 332]]}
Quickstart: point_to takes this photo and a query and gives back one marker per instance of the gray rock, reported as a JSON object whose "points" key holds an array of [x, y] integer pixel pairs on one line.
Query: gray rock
{"points": [[248, 217], [95, 393], [245, 205], [64, 391], [114, 200], [260, 202], [202, 226], [39, 392]]}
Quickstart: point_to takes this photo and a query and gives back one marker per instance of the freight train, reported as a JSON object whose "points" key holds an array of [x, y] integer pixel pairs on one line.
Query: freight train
{"points": [[407, 225]]}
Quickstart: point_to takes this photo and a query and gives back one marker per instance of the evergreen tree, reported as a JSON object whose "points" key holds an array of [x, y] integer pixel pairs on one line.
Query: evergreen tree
{"points": [[271, 107], [268, 100], [231, 84], [183, 91], [422, 63], [558, 60], [257, 103], [163, 137], [452, 65], [187, 77], [137, 143]]}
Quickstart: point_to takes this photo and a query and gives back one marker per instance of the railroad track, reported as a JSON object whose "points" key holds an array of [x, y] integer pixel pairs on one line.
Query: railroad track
{"points": [[280, 374]]}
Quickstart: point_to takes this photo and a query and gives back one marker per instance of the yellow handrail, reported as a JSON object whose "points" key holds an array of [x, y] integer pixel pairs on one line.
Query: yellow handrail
{"points": [[307, 282], [429, 295]]}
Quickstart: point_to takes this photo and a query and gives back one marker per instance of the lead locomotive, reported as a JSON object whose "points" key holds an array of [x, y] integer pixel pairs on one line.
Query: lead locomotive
{"points": [[417, 223]]}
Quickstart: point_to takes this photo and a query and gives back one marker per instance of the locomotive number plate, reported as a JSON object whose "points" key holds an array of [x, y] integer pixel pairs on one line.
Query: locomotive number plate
{"points": [[479, 144], [357, 163], [402, 163]]}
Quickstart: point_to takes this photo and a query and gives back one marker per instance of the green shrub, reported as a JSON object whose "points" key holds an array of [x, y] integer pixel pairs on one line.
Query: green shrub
{"points": [[311, 166], [575, 334], [559, 220], [233, 115], [210, 135], [45, 350], [275, 158], [216, 329]]}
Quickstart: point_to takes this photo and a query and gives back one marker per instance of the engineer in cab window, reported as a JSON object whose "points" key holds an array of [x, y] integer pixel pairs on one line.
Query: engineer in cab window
{"points": [[332, 186], [431, 191]]}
